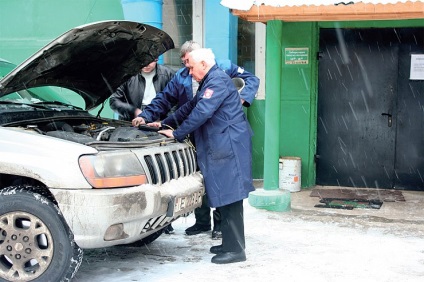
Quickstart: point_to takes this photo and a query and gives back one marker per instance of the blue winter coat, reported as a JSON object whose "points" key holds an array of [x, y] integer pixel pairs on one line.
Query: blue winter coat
{"points": [[222, 135], [179, 90]]}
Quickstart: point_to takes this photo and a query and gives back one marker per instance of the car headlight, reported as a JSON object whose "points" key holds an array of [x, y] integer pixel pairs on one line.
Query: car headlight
{"points": [[112, 169]]}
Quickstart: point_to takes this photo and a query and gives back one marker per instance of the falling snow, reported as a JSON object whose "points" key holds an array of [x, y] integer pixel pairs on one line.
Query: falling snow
{"points": [[299, 245]]}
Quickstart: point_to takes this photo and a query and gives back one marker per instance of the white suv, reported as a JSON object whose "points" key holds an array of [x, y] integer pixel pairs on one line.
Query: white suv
{"points": [[70, 180]]}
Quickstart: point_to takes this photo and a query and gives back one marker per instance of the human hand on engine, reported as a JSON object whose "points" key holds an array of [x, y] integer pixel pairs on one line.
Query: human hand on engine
{"points": [[167, 133], [138, 121], [155, 124]]}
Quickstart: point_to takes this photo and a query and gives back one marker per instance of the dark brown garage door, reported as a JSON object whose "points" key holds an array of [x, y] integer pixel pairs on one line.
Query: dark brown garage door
{"points": [[370, 113]]}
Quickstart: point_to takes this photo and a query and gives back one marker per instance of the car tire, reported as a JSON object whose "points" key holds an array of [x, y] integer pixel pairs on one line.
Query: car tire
{"points": [[36, 243]]}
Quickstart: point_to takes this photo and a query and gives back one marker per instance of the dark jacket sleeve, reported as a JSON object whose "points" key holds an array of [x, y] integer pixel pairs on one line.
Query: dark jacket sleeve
{"points": [[120, 101], [174, 120], [251, 81]]}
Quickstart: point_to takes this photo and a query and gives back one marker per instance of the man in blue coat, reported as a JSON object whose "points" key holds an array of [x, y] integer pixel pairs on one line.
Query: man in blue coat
{"points": [[224, 148], [182, 89]]}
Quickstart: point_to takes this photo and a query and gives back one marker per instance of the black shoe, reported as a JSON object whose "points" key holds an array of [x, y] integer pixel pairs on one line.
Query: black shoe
{"points": [[216, 235], [229, 257], [197, 228], [169, 229], [216, 250]]}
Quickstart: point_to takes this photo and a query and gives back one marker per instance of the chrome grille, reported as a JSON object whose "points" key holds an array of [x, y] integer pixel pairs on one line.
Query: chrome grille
{"points": [[172, 168], [176, 160], [162, 167], [184, 161]]}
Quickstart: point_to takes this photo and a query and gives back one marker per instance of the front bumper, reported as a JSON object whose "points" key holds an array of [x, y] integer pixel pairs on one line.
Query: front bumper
{"points": [[95, 215]]}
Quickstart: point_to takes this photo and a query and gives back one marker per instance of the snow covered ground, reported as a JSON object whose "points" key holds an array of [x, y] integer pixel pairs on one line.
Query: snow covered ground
{"points": [[288, 246]]}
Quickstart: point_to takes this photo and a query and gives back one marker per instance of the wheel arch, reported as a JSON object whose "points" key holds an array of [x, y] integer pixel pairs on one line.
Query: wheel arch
{"points": [[27, 183]]}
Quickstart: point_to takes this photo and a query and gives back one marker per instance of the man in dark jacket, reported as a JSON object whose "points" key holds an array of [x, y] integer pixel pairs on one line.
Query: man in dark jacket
{"points": [[136, 93], [182, 89], [224, 148]]}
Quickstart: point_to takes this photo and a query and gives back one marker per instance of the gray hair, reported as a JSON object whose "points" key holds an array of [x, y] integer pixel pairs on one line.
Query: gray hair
{"points": [[188, 46], [203, 54]]}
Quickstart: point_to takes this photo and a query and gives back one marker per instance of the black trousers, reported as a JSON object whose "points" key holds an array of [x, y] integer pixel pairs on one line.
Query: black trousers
{"points": [[232, 227], [203, 215]]}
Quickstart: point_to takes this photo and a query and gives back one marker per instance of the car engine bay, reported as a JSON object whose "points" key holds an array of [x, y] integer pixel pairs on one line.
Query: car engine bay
{"points": [[90, 130]]}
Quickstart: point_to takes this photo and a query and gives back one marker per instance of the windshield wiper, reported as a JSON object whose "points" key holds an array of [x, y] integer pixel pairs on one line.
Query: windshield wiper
{"points": [[25, 104], [57, 103]]}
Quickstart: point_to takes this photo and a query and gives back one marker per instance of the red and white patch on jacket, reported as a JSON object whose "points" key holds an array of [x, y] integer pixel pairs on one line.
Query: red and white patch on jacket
{"points": [[208, 93]]}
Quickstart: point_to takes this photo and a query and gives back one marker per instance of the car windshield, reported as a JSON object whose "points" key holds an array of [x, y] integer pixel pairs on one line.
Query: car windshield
{"points": [[37, 95], [33, 95]]}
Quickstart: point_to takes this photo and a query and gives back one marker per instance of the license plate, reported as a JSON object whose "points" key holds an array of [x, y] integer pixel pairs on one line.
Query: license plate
{"points": [[186, 202]]}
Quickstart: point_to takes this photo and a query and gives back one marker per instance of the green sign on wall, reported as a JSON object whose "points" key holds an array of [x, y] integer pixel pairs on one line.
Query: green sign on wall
{"points": [[296, 56]]}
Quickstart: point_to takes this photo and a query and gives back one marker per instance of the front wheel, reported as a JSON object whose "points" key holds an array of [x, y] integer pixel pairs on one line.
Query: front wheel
{"points": [[36, 244]]}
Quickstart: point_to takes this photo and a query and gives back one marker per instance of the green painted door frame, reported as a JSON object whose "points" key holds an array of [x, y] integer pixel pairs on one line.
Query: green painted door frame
{"points": [[291, 70]]}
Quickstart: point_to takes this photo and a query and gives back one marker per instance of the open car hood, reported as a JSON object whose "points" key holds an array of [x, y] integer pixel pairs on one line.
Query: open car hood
{"points": [[92, 59]]}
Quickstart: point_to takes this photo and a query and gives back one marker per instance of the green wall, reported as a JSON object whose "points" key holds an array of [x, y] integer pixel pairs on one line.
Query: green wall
{"points": [[28, 25], [298, 98]]}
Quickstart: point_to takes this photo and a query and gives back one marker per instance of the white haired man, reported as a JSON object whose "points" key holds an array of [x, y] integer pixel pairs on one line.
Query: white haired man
{"points": [[224, 149]]}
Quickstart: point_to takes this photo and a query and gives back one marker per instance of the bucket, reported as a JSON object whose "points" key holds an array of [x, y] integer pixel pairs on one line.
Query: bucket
{"points": [[290, 173]]}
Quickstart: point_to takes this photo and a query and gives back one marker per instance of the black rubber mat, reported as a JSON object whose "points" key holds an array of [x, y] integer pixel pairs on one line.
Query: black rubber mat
{"points": [[349, 204], [356, 194]]}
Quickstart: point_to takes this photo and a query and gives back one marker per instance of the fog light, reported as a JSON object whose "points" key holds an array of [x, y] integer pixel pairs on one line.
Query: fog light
{"points": [[115, 232]]}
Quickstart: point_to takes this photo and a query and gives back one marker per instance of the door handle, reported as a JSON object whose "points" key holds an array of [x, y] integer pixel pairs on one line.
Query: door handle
{"points": [[389, 118]]}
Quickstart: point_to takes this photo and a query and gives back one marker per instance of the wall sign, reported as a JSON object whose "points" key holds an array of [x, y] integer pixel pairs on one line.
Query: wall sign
{"points": [[296, 56], [417, 67]]}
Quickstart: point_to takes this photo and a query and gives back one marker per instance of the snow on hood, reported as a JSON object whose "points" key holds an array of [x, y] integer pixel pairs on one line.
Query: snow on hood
{"points": [[92, 59]]}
